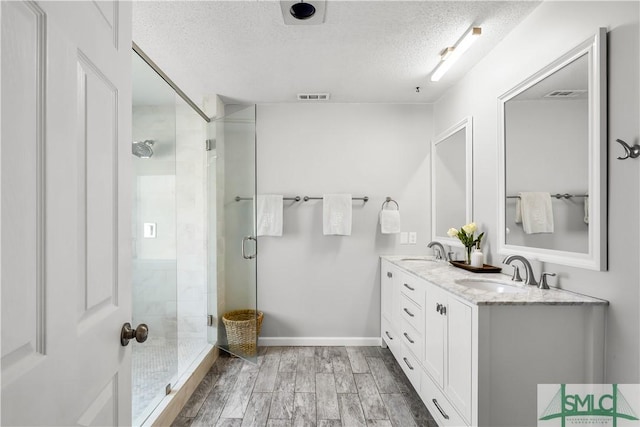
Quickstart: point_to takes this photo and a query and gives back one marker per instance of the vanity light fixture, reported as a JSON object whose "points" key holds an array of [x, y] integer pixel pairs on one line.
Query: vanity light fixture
{"points": [[451, 54]]}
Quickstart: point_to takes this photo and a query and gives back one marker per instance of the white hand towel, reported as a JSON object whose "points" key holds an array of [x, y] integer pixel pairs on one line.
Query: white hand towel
{"points": [[537, 214], [389, 221], [269, 215], [518, 219], [336, 214]]}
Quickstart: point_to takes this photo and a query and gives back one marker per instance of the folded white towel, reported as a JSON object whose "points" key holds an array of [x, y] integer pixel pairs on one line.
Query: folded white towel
{"points": [[536, 211], [389, 221], [586, 210], [336, 214], [269, 215], [518, 211]]}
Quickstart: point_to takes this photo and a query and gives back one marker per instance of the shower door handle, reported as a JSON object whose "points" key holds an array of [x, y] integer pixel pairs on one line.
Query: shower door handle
{"points": [[244, 252], [140, 333]]}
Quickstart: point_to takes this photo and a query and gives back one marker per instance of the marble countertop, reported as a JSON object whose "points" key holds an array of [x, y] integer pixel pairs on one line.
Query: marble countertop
{"points": [[444, 275]]}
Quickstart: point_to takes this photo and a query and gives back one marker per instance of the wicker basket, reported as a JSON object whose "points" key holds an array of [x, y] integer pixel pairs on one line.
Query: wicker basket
{"points": [[243, 327]]}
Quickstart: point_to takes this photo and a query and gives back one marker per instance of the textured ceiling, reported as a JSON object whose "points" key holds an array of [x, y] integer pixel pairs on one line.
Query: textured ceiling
{"points": [[369, 52]]}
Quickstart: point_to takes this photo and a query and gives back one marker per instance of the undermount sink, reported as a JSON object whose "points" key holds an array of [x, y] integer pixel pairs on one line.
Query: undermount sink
{"points": [[419, 259], [491, 285]]}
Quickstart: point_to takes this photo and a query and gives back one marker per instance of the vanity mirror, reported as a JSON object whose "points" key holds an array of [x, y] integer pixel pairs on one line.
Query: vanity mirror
{"points": [[552, 192], [451, 180]]}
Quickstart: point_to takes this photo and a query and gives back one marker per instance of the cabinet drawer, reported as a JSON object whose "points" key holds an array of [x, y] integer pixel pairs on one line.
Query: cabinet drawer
{"points": [[390, 336], [412, 313], [439, 405], [412, 339], [410, 366], [411, 287]]}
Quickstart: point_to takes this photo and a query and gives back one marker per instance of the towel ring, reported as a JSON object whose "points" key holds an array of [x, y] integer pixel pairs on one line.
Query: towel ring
{"points": [[390, 200]]}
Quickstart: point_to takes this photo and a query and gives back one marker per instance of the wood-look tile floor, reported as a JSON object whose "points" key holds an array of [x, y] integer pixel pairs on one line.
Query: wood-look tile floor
{"points": [[307, 386]]}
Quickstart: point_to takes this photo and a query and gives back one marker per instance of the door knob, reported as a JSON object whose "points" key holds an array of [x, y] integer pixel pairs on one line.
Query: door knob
{"points": [[140, 333]]}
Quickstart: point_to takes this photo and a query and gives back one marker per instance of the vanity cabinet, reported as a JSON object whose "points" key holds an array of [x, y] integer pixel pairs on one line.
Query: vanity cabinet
{"points": [[476, 358], [429, 333]]}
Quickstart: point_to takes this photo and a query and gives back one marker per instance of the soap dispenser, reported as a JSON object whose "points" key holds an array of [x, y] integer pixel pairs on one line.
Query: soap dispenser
{"points": [[477, 257]]}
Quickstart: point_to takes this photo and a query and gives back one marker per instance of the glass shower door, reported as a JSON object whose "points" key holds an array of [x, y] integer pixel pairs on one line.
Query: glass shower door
{"points": [[239, 323], [154, 362]]}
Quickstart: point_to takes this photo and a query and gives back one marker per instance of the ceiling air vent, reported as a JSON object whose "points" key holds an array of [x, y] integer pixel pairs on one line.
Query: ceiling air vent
{"points": [[567, 93], [313, 96]]}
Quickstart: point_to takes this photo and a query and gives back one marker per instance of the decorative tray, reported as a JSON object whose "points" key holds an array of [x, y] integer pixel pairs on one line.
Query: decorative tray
{"points": [[485, 269]]}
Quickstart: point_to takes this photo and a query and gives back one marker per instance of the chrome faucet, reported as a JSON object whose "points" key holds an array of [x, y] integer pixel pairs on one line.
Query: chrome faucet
{"points": [[529, 276], [440, 252]]}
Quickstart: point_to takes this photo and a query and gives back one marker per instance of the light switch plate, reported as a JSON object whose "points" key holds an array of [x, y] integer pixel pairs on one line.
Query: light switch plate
{"points": [[149, 230], [413, 237], [404, 237]]}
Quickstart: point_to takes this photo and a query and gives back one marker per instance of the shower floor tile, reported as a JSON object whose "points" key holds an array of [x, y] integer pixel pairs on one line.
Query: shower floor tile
{"points": [[156, 363]]}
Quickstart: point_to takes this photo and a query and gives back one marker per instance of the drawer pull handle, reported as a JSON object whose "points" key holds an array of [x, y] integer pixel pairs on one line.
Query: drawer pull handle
{"points": [[444, 414], [387, 332], [409, 338], [389, 274], [409, 287], [411, 367], [408, 312]]}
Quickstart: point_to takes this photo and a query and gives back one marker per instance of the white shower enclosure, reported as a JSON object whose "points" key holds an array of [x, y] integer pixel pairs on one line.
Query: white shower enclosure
{"points": [[169, 238], [194, 246]]}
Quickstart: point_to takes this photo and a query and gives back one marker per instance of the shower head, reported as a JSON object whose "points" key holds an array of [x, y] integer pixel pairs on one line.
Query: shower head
{"points": [[142, 149]]}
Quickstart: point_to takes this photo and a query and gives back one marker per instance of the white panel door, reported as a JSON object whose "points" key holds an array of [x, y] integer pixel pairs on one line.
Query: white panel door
{"points": [[65, 212]]}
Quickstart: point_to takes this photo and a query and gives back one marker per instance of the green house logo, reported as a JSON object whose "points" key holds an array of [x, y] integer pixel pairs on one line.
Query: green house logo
{"points": [[589, 408]]}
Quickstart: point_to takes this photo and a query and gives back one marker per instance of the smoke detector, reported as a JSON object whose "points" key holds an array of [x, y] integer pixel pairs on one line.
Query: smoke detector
{"points": [[566, 93], [313, 97], [305, 12]]}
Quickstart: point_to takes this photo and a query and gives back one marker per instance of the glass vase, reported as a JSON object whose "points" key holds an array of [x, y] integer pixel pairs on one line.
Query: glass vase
{"points": [[468, 254]]}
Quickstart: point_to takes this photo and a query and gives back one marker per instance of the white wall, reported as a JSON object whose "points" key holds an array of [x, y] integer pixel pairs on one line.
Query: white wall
{"points": [[310, 285], [551, 30]]}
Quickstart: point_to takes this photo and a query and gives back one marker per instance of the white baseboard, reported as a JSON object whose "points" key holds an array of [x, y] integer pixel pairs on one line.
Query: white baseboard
{"points": [[319, 341]]}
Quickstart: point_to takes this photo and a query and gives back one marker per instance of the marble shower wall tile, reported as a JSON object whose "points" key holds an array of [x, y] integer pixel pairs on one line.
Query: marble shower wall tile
{"points": [[170, 275]]}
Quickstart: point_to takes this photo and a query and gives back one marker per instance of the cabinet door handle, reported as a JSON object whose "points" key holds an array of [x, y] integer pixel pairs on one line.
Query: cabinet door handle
{"points": [[409, 287], [411, 367], [409, 313], [409, 338], [389, 274], [443, 310], [444, 414], [438, 307], [387, 332]]}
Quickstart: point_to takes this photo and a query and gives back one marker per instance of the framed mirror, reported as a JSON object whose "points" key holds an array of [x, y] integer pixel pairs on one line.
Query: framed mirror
{"points": [[553, 169], [452, 180]]}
